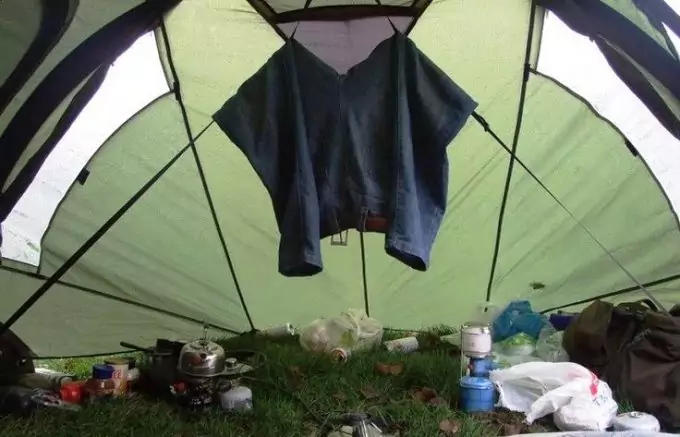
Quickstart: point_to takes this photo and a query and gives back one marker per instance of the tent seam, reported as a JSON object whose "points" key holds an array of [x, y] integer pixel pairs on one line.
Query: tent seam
{"points": [[199, 165], [629, 143], [104, 295], [87, 164], [17, 188], [513, 151], [61, 271], [615, 293]]}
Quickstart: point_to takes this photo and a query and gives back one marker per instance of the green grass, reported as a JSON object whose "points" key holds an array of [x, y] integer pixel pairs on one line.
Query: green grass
{"points": [[293, 392]]}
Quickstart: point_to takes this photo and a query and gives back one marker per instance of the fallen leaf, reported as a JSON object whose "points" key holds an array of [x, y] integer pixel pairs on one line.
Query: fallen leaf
{"points": [[296, 376], [369, 392], [382, 368], [389, 369], [438, 401], [396, 369], [428, 392], [295, 370], [340, 396], [449, 427], [424, 394]]}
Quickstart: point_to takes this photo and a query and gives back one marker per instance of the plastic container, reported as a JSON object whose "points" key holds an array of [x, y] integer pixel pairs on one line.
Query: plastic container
{"points": [[635, 421], [72, 392], [102, 371], [119, 377], [476, 394], [239, 398], [403, 345]]}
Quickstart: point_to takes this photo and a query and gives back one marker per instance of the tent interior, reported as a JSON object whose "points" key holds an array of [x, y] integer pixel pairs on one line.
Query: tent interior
{"points": [[128, 215]]}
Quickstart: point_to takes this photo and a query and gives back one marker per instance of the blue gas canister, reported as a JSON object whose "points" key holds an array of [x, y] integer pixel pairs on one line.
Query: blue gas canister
{"points": [[476, 394]]}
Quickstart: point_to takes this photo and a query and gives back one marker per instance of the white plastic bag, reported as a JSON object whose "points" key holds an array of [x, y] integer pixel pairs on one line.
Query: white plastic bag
{"points": [[352, 330], [588, 413], [539, 388]]}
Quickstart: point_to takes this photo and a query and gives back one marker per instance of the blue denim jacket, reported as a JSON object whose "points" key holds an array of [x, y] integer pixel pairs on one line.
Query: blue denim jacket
{"points": [[344, 151]]}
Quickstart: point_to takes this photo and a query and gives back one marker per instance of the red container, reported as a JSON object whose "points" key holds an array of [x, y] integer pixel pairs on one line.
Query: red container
{"points": [[72, 392]]}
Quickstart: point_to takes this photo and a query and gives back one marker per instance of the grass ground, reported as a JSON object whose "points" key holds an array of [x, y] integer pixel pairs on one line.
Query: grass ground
{"points": [[293, 393]]}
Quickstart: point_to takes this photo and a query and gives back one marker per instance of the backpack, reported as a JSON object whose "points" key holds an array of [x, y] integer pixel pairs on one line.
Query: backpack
{"points": [[634, 348]]}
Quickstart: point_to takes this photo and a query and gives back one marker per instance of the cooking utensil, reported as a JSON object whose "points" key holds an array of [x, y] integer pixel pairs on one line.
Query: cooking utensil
{"points": [[160, 363], [233, 367], [202, 358], [154, 355]]}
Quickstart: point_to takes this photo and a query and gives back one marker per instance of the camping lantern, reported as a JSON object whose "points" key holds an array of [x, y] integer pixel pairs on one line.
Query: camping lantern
{"points": [[477, 393], [475, 340], [475, 349]]}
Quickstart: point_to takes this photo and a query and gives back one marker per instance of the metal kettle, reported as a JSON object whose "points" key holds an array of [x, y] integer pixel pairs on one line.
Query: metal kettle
{"points": [[202, 358]]}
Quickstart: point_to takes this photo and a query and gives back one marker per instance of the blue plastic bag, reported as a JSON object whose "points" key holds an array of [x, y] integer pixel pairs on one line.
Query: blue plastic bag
{"points": [[516, 318]]}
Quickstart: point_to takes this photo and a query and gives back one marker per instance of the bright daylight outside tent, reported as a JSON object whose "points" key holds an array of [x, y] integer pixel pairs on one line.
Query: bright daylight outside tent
{"points": [[129, 215]]}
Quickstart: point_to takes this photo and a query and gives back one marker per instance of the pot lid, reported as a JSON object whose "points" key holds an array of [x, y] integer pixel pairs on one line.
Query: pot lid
{"points": [[203, 346]]}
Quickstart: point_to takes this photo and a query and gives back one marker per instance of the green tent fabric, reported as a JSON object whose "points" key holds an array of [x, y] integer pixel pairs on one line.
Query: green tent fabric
{"points": [[167, 235]]}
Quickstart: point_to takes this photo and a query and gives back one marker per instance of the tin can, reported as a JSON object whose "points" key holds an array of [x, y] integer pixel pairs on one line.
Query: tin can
{"points": [[119, 377], [57, 379], [404, 345], [285, 330]]}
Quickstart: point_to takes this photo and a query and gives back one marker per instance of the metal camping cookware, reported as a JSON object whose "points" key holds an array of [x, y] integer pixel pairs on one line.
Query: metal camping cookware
{"points": [[202, 358], [160, 362]]}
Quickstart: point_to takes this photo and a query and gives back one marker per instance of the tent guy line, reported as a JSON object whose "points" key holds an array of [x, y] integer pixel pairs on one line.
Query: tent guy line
{"points": [[185, 119], [513, 157]]}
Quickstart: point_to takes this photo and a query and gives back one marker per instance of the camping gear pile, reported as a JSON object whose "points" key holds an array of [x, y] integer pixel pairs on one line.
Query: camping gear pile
{"points": [[635, 347], [195, 374]]}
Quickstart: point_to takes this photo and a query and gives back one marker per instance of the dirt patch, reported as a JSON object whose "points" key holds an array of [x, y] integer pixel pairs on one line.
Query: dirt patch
{"points": [[510, 422]]}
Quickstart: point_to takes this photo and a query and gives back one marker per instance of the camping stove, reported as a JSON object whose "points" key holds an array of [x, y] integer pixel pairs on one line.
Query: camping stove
{"points": [[195, 394]]}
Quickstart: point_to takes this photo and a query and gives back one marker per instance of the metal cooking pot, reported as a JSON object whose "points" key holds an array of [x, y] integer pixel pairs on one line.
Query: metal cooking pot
{"points": [[201, 358]]}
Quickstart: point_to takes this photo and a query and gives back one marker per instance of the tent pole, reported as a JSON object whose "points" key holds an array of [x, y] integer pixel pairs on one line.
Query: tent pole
{"points": [[61, 271], [199, 165], [363, 272], [513, 150]]}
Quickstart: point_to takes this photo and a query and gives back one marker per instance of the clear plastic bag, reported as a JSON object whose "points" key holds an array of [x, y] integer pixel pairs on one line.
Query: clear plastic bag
{"points": [[549, 345], [352, 330]]}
